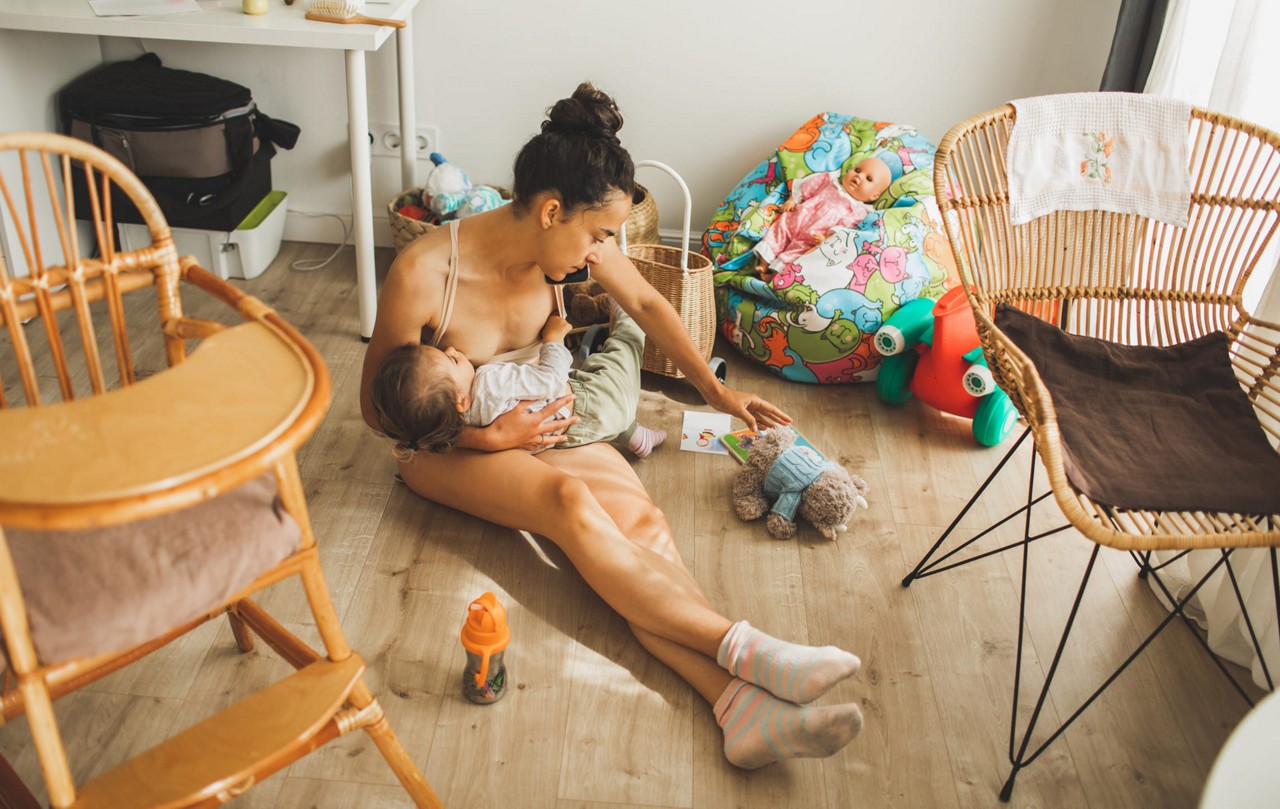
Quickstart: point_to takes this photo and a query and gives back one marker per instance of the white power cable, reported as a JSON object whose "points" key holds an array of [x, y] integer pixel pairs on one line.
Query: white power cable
{"points": [[311, 264]]}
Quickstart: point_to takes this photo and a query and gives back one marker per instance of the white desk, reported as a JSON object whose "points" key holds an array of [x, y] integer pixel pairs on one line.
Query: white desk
{"points": [[284, 26]]}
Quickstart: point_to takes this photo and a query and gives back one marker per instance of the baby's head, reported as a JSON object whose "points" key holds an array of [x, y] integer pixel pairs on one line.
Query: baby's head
{"points": [[867, 179], [419, 395]]}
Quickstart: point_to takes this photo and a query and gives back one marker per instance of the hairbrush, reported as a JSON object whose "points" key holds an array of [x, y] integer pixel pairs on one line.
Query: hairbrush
{"points": [[345, 11]]}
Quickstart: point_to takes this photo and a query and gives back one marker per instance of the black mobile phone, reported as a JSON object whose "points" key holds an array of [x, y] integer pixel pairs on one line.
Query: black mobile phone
{"points": [[576, 277]]}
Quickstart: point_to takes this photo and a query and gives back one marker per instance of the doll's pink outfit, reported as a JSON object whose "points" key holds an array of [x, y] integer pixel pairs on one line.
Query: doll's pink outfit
{"points": [[821, 204]]}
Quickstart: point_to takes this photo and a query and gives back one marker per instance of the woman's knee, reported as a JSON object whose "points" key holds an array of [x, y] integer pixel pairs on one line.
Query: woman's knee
{"points": [[568, 490], [571, 497]]}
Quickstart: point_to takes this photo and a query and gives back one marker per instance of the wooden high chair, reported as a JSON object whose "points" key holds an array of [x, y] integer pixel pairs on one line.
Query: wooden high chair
{"points": [[134, 509], [1140, 302]]}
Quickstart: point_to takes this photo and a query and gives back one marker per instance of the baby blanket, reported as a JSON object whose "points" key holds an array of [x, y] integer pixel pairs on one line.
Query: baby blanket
{"points": [[1122, 152]]}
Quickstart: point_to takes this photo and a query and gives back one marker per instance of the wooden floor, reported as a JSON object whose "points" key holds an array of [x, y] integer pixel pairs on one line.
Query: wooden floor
{"points": [[593, 722]]}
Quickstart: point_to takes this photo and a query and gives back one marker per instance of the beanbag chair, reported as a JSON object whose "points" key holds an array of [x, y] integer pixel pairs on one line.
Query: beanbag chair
{"points": [[813, 321]]}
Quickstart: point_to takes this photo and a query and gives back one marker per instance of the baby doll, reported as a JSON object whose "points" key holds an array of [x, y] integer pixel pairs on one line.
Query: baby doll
{"points": [[424, 396], [818, 203]]}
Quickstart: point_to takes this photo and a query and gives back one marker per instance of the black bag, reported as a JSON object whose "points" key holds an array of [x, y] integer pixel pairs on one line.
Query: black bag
{"points": [[197, 142]]}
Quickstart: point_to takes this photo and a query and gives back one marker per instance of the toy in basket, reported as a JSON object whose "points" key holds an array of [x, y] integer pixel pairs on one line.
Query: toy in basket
{"points": [[447, 194], [684, 279]]}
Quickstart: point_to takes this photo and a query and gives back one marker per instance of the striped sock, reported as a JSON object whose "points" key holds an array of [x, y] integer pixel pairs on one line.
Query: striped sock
{"points": [[645, 440], [789, 671], [760, 729]]}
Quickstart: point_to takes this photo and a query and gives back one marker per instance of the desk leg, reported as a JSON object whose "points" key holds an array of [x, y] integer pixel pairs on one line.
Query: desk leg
{"points": [[408, 114], [361, 191]]}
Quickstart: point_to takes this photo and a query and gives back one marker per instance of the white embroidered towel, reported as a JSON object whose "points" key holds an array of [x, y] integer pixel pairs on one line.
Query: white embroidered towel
{"points": [[1124, 152]]}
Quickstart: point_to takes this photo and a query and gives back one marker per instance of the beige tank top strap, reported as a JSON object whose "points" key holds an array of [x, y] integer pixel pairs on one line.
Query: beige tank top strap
{"points": [[559, 296], [450, 285]]}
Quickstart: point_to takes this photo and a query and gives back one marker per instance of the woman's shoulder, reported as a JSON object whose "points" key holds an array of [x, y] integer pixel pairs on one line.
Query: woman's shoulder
{"points": [[425, 260], [428, 250]]}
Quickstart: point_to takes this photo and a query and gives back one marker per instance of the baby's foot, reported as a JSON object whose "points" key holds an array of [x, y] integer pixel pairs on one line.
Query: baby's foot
{"points": [[760, 729], [645, 440]]}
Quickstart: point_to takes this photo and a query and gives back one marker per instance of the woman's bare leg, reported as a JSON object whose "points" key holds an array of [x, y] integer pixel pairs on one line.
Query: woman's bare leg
{"points": [[759, 728], [650, 590], [624, 498], [621, 544]]}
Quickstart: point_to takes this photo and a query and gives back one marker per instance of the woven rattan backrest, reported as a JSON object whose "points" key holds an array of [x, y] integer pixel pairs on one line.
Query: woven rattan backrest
{"points": [[1188, 278], [62, 282], [1123, 277]]}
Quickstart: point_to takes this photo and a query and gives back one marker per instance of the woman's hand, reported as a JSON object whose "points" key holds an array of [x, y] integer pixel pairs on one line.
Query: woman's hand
{"points": [[518, 429], [755, 411]]}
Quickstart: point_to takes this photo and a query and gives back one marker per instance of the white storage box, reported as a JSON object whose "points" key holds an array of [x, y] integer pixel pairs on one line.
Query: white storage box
{"points": [[245, 252]]}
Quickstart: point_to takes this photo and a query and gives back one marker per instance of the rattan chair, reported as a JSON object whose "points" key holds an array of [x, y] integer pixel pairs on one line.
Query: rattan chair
{"points": [[109, 467], [1129, 280]]}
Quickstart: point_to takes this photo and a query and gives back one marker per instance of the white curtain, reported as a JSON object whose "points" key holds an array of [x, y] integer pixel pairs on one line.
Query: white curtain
{"points": [[1222, 55]]}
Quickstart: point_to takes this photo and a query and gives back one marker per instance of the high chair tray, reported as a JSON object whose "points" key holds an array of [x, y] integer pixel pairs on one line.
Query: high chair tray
{"points": [[151, 436]]}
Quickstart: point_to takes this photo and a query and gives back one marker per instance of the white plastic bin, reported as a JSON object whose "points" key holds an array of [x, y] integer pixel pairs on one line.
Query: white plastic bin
{"points": [[245, 252]]}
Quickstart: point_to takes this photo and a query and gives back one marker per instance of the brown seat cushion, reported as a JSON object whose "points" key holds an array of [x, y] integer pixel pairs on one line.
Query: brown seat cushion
{"points": [[106, 590], [1156, 428]]}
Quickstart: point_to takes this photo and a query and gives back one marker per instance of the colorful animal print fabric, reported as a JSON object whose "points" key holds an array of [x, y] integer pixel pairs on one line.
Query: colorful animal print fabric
{"points": [[813, 320]]}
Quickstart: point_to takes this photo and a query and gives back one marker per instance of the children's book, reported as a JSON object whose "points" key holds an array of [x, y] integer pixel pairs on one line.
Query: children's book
{"points": [[739, 443], [702, 431]]}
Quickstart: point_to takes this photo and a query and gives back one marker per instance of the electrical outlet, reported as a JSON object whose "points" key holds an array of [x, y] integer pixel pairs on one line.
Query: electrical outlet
{"points": [[384, 140]]}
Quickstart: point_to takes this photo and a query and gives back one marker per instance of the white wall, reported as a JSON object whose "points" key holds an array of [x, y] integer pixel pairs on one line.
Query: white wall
{"points": [[28, 66], [709, 88]]}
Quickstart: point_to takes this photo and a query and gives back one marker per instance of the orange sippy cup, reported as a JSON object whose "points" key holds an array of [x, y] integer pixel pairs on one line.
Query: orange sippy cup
{"points": [[484, 637]]}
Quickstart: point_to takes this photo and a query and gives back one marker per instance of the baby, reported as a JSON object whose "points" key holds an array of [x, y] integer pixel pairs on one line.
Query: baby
{"points": [[423, 396], [818, 203]]}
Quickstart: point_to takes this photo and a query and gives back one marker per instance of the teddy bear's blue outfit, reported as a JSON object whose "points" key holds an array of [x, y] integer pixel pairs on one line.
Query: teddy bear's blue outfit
{"points": [[790, 474]]}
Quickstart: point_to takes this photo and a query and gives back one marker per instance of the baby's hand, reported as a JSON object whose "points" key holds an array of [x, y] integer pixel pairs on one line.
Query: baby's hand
{"points": [[555, 330], [818, 237], [789, 205]]}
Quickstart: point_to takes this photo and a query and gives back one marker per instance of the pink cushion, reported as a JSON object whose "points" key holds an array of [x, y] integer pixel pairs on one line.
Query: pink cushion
{"points": [[106, 590]]}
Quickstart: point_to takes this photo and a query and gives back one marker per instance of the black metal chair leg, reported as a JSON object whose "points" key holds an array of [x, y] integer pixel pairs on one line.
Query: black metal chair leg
{"points": [[1275, 583], [1144, 564], [1021, 759], [1195, 632], [924, 563], [1248, 623]]}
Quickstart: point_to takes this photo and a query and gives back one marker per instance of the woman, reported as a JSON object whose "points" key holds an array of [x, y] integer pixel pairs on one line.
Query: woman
{"points": [[482, 287]]}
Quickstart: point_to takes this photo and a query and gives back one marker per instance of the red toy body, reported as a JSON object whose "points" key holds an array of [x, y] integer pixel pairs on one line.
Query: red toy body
{"points": [[939, 377], [932, 351]]}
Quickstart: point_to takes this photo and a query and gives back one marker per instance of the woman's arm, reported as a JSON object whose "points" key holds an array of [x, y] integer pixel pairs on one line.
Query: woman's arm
{"points": [[655, 315], [519, 429], [405, 307]]}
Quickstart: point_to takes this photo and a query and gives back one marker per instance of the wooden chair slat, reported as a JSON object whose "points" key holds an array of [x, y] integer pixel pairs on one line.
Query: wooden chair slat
{"points": [[229, 751], [238, 407]]}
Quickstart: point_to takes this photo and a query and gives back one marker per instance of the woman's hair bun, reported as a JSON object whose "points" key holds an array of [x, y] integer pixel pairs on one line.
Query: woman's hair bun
{"points": [[577, 156], [587, 112]]}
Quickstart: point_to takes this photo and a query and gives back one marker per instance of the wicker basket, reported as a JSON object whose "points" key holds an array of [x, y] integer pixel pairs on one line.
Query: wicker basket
{"points": [[405, 229], [642, 224], [684, 279]]}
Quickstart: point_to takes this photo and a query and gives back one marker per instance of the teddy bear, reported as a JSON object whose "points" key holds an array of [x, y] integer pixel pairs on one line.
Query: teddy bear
{"points": [[782, 478], [587, 302]]}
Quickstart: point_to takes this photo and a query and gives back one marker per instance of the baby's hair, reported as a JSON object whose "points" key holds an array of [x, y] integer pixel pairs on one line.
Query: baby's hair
{"points": [[577, 154], [415, 407]]}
